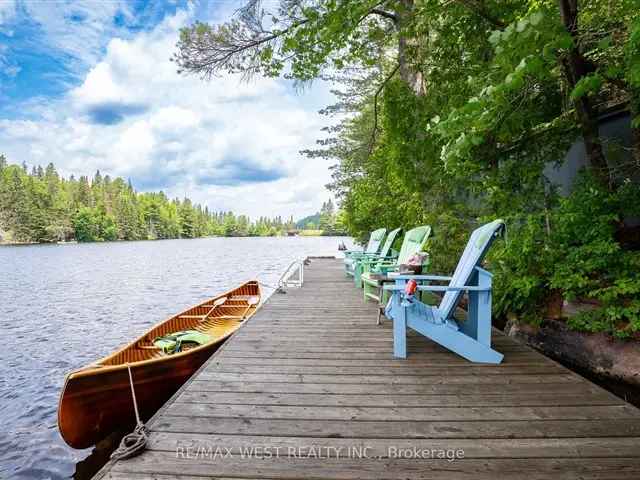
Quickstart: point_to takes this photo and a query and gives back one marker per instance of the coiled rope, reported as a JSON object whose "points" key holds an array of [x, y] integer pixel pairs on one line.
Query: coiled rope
{"points": [[135, 442]]}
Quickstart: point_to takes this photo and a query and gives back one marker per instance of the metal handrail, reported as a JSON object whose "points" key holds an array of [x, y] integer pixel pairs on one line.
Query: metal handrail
{"points": [[285, 278]]}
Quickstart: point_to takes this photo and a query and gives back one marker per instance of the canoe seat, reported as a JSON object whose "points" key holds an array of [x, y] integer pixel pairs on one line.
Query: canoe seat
{"points": [[243, 297], [218, 303]]}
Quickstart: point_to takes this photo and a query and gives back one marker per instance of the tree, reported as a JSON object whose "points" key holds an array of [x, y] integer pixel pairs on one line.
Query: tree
{"points": [[229, 224], [311, 36], [187, 219], [327, 217], [86, 225]]}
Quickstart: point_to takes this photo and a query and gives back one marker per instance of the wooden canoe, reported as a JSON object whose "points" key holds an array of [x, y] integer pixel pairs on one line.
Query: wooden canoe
{"points": [[96, 399]]}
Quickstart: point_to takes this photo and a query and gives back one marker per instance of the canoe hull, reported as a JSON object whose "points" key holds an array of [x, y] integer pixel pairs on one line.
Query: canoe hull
{"points": [[97, 400], [93, 406]]}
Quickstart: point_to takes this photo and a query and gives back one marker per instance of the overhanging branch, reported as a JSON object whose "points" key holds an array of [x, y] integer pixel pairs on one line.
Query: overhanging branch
{"points": [[374, 132], [384, 13]]}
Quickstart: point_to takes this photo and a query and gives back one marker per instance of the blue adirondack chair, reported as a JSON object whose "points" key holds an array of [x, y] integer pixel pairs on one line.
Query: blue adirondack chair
{"points": [[386, 254], [471, 338], [373, 247]]}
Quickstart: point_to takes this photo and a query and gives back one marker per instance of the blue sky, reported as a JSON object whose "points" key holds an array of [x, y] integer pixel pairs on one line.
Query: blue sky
{"points": [[33, 66], [88, 84]]}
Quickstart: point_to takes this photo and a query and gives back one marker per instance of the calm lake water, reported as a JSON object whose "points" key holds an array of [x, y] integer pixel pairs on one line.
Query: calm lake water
{"points": [[62, 306]]}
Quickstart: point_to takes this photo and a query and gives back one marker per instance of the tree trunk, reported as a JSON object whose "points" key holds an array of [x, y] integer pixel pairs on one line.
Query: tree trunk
{"points": [[575, 68], [407, 44], [635, 131]]}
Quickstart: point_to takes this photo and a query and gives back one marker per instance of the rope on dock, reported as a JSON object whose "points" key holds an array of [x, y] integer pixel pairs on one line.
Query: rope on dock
{"points": [[135, 442]]}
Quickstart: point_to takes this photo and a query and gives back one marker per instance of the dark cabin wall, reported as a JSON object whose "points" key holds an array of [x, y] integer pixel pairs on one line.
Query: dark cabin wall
{"points": [[615, 130]]}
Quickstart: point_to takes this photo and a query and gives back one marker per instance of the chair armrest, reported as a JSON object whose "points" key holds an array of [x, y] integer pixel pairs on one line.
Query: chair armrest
{"points": [[422, 277], [440, 288], [376, 260], [380, 267], [447, 288], [386, 267]]}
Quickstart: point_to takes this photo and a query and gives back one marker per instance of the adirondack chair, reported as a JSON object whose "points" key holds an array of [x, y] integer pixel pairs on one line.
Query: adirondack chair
{"points": [[355, 266], [471, 338], [373, 246], [413, 242]]}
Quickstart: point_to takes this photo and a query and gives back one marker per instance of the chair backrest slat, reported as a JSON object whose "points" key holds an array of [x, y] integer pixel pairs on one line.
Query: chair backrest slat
{"points": [[473, 254], [414, 241], [375, 240], [388, 243]]}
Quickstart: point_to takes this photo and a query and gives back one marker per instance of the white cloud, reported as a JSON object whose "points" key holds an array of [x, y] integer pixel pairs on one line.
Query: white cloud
{"points": [[134, 116], [76, 27], [7, 11]]}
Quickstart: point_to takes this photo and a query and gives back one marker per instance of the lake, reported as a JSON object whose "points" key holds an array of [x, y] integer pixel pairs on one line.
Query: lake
{"points": [[63, 306]]}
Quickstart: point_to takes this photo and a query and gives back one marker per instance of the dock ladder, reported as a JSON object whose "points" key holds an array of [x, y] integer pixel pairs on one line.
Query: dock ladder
{"points": [[293, 276]]}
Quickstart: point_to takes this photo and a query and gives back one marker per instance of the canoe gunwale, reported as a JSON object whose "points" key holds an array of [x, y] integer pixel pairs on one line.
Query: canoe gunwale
{"points": [[98, 366]]}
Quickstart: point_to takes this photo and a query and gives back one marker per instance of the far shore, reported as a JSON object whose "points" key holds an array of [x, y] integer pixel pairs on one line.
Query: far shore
{"points": [[301, 233]]}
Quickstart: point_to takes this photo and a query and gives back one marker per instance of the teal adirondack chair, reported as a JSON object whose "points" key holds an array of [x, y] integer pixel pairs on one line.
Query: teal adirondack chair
{"points": [[413, 242], [386, 254], [471, 338], [373, 247]]}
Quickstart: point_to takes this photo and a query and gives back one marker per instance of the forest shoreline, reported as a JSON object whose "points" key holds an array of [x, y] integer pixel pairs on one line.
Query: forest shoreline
{"points": [[43, 207], [11, 243]]}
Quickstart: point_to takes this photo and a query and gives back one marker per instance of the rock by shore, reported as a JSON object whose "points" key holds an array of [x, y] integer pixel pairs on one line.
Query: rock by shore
{"points": [[611, 362]]}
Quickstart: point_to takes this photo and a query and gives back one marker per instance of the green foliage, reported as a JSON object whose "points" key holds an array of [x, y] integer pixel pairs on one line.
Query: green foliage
{"points": [[520, 268], [94, 225], [43, 207], [303, 38], [572, 249], [587, 85], [475, 147]]}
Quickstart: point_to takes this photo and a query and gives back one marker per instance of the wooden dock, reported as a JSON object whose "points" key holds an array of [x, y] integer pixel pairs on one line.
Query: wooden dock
{"points": [[308, 389]]}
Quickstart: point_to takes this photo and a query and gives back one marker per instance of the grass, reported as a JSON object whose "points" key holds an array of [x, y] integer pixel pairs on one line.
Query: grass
{"points": [[310, 233]]}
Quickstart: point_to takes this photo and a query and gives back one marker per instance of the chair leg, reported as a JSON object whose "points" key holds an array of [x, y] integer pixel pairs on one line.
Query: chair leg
{"points": [[400, 332], [478, 323], [365, 291], [357, 275]]}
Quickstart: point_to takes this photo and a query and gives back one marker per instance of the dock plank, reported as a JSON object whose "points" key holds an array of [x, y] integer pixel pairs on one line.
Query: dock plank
{"points": [[391, 400], [167, 463], [312, 372]]}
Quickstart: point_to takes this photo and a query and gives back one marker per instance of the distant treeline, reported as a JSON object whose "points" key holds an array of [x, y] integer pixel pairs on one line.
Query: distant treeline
{"points": [[328, 221], [41, 206]]}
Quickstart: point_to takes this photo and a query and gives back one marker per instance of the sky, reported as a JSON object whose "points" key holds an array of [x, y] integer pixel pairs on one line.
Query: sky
{"points": [[88, 85]]}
